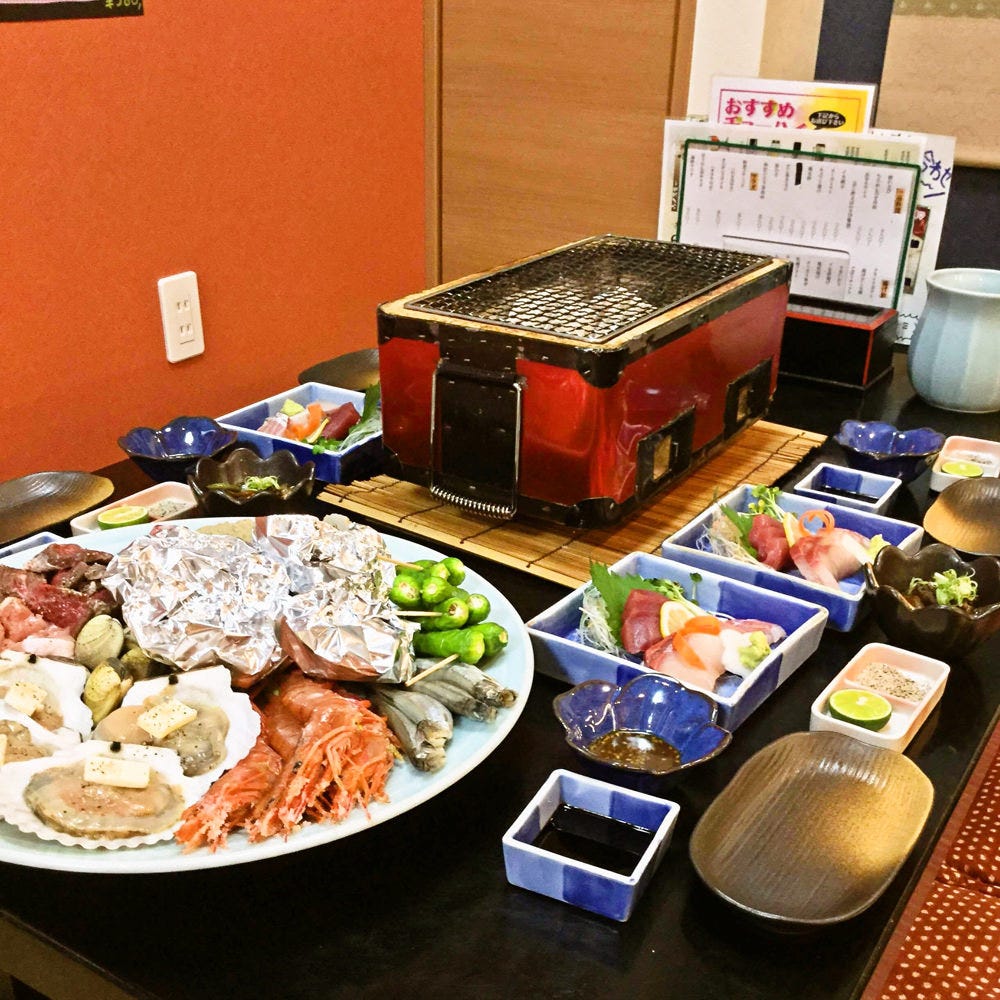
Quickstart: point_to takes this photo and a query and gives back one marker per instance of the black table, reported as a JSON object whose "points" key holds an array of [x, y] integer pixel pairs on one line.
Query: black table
{"points": [[421, 904]]}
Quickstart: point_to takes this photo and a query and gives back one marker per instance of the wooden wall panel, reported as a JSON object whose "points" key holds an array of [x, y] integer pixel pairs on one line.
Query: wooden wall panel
{"points": [[551, 122]]}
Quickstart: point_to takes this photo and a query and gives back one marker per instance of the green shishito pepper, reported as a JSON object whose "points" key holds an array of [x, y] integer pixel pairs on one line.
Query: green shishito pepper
{"points": [[453, 613], [468, 644], [495, 636]]}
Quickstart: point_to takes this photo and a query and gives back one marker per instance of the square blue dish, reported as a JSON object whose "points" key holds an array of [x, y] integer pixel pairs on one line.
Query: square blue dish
{"points": [[688, 545], [578, 882], [360, 461], [873, 492], [559, 652]]}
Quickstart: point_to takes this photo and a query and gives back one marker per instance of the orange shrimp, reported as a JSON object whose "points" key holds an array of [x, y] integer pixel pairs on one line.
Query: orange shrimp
{"points": [[228, 803], [342, 759]]}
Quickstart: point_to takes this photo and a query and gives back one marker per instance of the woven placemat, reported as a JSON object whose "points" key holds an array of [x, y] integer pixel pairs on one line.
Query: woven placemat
{"points": [[762, 453]]}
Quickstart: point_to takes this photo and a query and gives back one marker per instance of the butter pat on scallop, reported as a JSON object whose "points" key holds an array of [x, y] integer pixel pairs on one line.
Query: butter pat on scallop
{"points": [[117, 771], [23, 696], [166, 717]]}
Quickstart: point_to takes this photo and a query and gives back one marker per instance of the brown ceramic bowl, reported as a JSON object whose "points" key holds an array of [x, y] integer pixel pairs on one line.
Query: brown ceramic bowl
{"points": [[216, 484], [947, 633]]}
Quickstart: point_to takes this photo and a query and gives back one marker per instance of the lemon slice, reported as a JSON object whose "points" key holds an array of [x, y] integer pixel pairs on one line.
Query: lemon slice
{"points": [[970, 470], [122, 517], [673, 615], [862, 708]]}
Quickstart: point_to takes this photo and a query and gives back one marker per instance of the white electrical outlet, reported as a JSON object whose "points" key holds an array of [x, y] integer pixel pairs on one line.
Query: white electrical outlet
{"points": [[180, 311]]}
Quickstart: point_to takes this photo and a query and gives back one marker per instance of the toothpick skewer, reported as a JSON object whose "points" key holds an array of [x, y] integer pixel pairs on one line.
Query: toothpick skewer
{"points": [[406, 613], [431, 669], [401, 563]]}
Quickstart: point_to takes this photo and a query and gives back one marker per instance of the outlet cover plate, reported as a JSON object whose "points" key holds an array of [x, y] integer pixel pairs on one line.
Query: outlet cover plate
{"points": [[180, 311]]}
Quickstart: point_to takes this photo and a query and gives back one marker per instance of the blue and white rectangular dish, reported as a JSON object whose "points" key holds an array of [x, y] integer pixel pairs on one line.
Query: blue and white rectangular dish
{"points": [[576, 882], [688, 545], [881, 489], [39, 538], [360, 461], [559, 653]]}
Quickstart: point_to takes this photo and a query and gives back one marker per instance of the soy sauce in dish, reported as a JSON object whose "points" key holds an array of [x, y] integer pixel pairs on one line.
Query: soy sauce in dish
{"points": [[838, 491], [594, 839], [631, 748]]}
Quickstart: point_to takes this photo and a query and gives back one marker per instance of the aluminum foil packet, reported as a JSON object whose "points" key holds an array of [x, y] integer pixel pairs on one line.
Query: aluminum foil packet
{"points": [[316, 551], [337, 632], [197, 600]]}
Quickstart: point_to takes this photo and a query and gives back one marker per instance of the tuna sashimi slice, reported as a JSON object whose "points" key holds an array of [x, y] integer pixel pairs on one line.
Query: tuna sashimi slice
{"points": [[641, 619], [767, 536]]}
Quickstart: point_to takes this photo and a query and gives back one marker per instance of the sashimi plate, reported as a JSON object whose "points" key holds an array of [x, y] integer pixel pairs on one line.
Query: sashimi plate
{"points": [[407, 788]]}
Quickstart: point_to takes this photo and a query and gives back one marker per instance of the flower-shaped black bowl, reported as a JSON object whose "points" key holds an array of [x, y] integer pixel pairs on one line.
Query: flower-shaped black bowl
{"points": [[170, 453], [218, 485], [947, 633], [875, 446], [648, 705]]}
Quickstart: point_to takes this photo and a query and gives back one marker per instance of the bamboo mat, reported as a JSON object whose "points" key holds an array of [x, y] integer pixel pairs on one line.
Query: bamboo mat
{"points": [[762, 453]]}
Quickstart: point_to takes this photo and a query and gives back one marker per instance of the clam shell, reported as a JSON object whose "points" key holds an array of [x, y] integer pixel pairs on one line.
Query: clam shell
{"points": [[966, 516], [14, 781], [214, 686]]}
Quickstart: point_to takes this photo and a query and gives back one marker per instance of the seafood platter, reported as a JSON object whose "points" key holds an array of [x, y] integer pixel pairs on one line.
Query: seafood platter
{"points": [[811, 549], [183, 695], [732, 641], [337, 429]]}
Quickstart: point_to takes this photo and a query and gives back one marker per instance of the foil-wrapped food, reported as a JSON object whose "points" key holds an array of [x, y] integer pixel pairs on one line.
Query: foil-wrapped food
{"points": [[195, 599]]}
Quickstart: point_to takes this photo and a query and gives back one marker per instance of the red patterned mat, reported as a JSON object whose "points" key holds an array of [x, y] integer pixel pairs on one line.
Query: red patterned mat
{"points": [[947, 943]]}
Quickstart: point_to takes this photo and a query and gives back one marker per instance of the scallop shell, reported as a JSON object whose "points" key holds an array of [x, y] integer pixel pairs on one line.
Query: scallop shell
{"points": [[211, 685], [15, 810], [47, 739], [966, 516], [63, 681]]}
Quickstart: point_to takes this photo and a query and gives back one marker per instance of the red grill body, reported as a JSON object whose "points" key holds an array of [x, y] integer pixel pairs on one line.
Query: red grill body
{"points": [[511, 419]]}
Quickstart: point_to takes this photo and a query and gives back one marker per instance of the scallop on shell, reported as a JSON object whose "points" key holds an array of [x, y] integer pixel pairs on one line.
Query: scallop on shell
{"points": [[221, 735], [26, 739], [50, 798], [63, 683]]}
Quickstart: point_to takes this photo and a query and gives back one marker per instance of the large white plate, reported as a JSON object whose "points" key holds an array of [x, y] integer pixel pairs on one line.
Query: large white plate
{"points": [[407, 788]]}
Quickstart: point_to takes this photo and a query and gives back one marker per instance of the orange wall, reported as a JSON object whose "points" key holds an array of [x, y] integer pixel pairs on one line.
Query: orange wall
{"points": [[274, 148]]}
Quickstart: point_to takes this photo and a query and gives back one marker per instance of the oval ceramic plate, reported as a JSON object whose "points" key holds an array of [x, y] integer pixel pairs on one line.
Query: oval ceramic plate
{"points": [[40, 499], [812, 828], [964, 516], [407, 788]]}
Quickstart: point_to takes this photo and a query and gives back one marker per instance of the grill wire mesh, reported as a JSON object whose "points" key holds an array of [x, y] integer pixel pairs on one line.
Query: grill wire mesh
{"points": [[594, 290]]}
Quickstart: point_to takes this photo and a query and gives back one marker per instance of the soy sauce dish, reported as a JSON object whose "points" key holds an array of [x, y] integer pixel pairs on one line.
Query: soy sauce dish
{"points": [[652, 725]]}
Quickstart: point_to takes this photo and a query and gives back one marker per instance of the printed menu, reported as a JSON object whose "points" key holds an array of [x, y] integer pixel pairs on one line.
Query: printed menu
{"points": [[843, 222]]}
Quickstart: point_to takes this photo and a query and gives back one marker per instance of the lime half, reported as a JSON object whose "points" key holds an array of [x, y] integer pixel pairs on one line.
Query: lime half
{"points": [[121, 517], [862, 708], [970, 470]]}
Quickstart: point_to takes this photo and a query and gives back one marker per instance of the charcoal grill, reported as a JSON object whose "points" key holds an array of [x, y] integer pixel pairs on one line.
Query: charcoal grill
{"points": [[574, 384]]}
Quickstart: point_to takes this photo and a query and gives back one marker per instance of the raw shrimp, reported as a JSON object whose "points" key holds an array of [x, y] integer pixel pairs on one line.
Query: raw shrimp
{"points": [[228, 803], [342, 758]]}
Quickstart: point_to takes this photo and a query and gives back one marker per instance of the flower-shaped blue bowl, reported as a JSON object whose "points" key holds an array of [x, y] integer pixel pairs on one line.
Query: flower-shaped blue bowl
{"points": [[170, 453], [651, 704], [874, 446]]}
